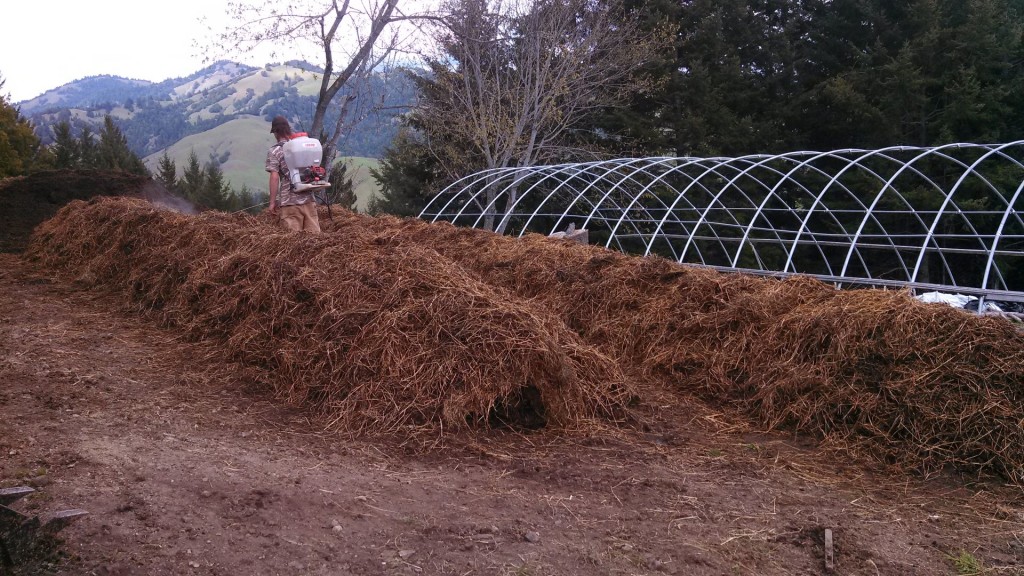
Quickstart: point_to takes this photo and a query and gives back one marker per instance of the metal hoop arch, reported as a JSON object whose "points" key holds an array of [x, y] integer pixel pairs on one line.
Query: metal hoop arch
{"points": [[947, 217]]}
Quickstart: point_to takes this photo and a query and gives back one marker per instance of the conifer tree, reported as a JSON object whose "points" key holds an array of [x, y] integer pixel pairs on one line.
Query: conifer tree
{"points": [[167, 172], [113, 150], [192, 179], [66, 150], [245, 200], [342, 191], [232, 203], [407, 175], [19, 145], [214, 191], [87, 149]]}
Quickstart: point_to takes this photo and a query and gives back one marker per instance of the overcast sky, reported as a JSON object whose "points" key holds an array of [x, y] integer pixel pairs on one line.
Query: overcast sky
{"points": [[46, 44]]}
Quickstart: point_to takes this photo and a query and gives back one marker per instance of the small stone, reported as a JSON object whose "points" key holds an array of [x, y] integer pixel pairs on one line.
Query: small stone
{"points": [[532, 536], [194, 564], [336, 528], [205, 494], [403, 554], [295, 564]]}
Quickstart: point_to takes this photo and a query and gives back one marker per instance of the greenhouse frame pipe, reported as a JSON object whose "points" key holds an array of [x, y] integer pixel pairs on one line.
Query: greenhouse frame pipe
{"points": [[669, 210], [731, 183], [948, 199], [596, 206], [714, 168], [682, 195], [913, 211], [697, 224], [630, 198], [997, 237], [887, 184], [810, 211]]}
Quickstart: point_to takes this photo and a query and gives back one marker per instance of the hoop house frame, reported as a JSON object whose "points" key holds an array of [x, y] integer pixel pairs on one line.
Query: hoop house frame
{"points": [[944, 218]]}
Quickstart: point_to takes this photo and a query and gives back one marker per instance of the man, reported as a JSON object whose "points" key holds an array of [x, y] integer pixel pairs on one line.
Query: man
{"points": [[295, 210]]}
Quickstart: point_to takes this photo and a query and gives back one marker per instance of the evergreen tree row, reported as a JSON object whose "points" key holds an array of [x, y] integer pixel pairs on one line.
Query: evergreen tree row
{"points": [[771, 76], [205, 187], [106, 151], [20, 148]]}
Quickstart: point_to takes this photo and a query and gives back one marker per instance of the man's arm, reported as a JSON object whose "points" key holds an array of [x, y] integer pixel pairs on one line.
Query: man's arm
{"points": [[275, 182]]}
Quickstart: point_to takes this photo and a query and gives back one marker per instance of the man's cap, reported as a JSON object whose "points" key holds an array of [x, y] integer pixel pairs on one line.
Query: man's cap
{"points": [[280, 124]]}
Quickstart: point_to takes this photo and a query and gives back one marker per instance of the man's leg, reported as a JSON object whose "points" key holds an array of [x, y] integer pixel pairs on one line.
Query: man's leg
{"points": [[310, 220], [291, 217]]}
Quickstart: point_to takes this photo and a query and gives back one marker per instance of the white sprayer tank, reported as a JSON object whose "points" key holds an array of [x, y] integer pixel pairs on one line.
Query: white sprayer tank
{"points": [[302, 155]]}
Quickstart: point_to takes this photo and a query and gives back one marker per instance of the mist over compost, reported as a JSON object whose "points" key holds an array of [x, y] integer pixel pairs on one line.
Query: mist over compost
{"points": [[386, 323]]}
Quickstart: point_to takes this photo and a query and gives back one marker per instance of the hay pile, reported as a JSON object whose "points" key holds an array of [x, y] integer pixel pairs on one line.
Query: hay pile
{"points": [[384, 323], [918, 385], [374, 336]]}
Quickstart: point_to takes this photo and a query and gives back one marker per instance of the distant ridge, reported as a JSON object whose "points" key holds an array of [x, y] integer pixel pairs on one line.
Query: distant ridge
{"points": [[94, 91], [155, 115], [84, 92], [221, 113]]}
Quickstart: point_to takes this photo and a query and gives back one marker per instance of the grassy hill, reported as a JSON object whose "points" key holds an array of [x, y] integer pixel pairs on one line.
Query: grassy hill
{"points": [[232, 95], [241, 146]]}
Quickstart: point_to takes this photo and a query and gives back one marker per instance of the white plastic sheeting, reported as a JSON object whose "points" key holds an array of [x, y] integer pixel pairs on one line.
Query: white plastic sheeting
{"points": [[956, 301], [944, 218]]}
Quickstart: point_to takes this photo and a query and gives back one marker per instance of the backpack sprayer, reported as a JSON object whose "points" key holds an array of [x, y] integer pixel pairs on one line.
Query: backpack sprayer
{"points": [[302, 155]]}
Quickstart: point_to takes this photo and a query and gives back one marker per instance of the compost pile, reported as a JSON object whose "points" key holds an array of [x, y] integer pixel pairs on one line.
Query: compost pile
{"points": [[386, 323], [917, 385], [372, 337]]}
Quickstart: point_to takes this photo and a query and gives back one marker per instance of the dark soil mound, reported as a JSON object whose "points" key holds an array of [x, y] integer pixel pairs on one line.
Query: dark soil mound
{"points": [[26, 201]]}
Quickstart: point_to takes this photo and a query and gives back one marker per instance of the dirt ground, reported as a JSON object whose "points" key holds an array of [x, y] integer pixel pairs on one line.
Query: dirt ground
{"points": [[185, 468]]}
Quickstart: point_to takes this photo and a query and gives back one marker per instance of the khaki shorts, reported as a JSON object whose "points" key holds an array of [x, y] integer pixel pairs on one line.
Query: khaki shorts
{"points": [[300, 217]]}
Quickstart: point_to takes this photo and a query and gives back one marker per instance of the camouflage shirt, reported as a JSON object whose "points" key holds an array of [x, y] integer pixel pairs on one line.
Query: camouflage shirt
{"points": [[286, 195]]}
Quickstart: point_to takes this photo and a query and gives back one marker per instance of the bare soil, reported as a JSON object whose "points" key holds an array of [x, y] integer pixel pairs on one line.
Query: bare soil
{"points": [[187, 468]]}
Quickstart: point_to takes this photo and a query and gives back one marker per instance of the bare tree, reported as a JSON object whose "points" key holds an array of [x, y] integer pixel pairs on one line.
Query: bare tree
{"points": [[517, 77], [353, 37]]}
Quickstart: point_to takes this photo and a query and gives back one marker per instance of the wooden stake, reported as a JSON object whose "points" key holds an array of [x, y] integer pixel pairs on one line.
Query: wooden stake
{"points": [[830, 562]]}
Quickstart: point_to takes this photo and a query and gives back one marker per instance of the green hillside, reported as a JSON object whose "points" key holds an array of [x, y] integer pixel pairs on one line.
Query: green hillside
{"points": [[241, 147], [219, 96]]}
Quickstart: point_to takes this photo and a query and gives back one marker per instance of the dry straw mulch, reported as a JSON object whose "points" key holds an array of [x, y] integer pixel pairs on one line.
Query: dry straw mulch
{"points": [[922, 386], [386, 323], [376, 337]]}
